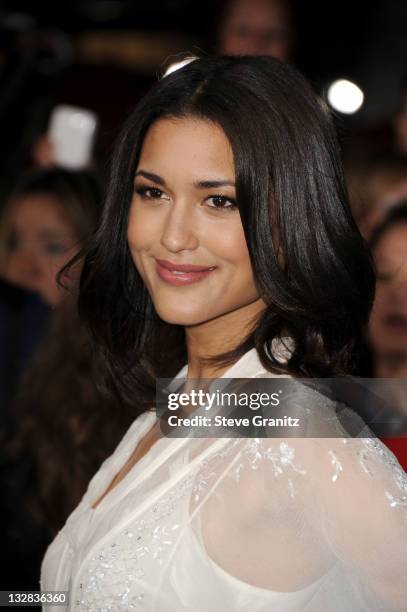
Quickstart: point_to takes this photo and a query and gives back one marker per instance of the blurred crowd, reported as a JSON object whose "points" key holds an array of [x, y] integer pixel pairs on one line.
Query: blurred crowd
{"points": [[56, 424]]}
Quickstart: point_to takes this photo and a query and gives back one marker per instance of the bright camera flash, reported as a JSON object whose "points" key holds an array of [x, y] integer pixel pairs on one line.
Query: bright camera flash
{"points": [[345, 96]]}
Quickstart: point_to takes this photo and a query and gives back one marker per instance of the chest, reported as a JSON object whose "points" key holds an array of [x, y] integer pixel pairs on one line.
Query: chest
{"points": [[139, 452]]}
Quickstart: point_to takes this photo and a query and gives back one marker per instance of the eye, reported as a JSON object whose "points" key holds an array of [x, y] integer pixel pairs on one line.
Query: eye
{"points": [[222, 202], [54, 248], [149, 193]]}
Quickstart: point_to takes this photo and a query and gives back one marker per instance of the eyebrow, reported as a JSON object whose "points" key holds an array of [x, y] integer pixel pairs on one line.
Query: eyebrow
{"points": [[209, 184]]}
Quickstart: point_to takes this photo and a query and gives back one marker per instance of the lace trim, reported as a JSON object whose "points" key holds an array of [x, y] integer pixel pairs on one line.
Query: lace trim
{"points": [[373, 447]]}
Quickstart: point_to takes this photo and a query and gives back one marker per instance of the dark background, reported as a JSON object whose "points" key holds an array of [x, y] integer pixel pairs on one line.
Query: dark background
{"points": [[51, 53]]}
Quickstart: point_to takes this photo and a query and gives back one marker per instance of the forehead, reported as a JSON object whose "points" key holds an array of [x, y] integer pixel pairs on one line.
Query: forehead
{"points": [[187, 145], [37, 211]]}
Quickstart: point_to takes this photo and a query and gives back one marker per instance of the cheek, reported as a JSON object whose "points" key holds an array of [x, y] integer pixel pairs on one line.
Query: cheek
{"points": [[227, 241], [10, 263], [58, 261], [380, 300], [142, 229], [141, 236], [234, 249]]}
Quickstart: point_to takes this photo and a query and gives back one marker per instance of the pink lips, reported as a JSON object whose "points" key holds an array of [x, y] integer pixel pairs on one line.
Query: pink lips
{"points": [[181, 274]]}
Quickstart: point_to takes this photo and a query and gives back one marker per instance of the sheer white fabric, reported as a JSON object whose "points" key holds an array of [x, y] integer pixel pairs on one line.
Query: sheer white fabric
{"points": [[264, 524]]}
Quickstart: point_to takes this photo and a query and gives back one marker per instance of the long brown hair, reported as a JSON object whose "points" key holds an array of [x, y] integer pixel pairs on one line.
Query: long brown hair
{"points": [[68, 427]]}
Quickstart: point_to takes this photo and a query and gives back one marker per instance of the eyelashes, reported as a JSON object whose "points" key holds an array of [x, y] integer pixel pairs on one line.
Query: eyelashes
{"points": [[225, 202], [221, 202], [150, 193]]}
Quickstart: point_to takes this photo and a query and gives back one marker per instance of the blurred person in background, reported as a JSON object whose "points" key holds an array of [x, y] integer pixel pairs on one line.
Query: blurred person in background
{"points": [[36, 142], [67, 428], [256, 27], [62, 425], [387, 336], [44, 223], [388, 322], [375, 186], [23, 323]]}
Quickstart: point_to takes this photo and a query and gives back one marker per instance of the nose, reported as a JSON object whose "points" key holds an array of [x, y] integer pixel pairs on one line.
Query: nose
{"points": [[180, 228]]}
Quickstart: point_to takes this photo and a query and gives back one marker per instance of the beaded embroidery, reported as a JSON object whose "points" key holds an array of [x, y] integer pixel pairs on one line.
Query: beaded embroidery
{"points": [[253, 453], [373, 447], [336, 463], [120, 562]]}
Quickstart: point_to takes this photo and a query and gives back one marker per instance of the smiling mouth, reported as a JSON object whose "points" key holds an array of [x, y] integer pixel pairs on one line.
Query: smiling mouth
{"points": [[180, 278]]}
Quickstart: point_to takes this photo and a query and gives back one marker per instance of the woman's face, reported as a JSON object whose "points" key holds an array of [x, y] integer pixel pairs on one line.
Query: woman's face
{"points": [[388, 323], [256, 27], [184, 214], [41, 240]]}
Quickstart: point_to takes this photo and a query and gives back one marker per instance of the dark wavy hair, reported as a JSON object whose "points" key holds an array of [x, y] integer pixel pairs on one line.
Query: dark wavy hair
{"points": [[66, 428], [310, 263]]}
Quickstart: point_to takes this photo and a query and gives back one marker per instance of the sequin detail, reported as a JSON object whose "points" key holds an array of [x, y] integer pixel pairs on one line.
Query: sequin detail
{"points": [[113, 577], [373, 447], [253, 455], [336, 463]]}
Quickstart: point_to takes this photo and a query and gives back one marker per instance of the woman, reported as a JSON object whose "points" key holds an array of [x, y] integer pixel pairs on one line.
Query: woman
{"points": [[47, 218], [388, 322], [375, 187], [227, 249], [256, 27], [388, 325], [50, 214]]}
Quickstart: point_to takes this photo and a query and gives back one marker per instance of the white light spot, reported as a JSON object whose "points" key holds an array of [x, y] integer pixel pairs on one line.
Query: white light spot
{"points": [[345, 96], [177, 65]]}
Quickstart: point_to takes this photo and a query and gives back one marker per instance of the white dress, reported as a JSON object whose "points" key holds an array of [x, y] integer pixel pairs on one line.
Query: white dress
{"points": [[249, 525]]}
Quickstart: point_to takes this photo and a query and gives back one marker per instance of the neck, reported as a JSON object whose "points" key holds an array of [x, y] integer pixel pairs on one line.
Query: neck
{"points": [[218, 336], [390, 365]]}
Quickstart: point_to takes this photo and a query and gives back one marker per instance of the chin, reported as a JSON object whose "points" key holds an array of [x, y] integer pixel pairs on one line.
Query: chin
{"points": [[177, 316]]}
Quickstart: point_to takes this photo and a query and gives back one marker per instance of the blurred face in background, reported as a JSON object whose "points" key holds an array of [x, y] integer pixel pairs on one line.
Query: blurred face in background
{"points": [[256, 27], [388, 323], [40, 240]]}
